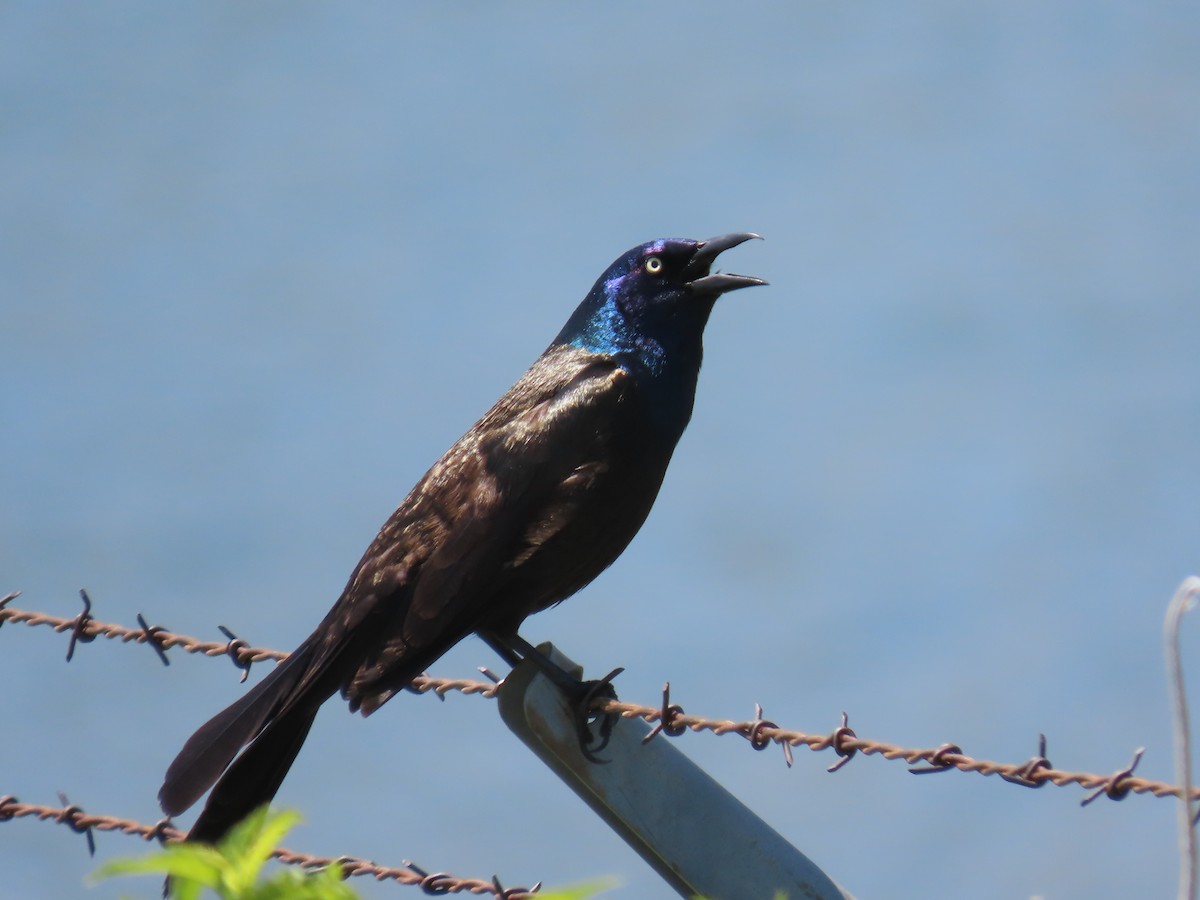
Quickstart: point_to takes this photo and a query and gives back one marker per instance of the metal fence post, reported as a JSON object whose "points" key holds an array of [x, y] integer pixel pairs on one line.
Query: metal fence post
{"points": [[696, 835]]}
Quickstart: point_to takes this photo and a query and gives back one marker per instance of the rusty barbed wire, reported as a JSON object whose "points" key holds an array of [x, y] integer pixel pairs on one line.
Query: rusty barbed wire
{"points": [[162, 831], [1033, 773], [161, 640], [667, 718]]}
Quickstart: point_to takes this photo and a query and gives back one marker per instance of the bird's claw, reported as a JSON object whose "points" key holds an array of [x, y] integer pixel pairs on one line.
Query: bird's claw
{"points": [[589, 692]]}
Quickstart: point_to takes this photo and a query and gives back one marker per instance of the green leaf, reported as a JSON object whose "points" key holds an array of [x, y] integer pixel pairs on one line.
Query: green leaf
{"points": [[249, 846], [194, 862], [232, 868]]}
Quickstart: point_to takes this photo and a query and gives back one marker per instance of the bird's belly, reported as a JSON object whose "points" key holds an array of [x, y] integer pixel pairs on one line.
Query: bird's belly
{"points": [[582, 534]]}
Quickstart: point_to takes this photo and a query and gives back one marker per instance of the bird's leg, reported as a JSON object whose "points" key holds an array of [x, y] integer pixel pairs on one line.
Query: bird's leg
{"points": [[505, 650], [513, 648]]}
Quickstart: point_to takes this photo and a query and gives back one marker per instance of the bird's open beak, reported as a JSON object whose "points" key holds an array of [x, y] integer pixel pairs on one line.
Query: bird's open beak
{"points": [[720, 282]]}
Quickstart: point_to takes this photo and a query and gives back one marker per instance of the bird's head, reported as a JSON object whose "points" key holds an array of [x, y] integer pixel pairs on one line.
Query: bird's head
{"points": [[653, 302]]}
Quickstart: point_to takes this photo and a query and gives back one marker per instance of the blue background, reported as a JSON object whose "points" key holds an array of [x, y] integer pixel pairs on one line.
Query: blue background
{"points": [[262, 263]]}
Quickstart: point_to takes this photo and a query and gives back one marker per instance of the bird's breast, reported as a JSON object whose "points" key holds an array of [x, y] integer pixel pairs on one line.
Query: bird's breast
{"points": [[597, 506]]}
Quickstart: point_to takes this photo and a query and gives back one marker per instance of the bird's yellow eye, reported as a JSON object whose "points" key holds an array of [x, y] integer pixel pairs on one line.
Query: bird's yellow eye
{"points": [[654, 265]]}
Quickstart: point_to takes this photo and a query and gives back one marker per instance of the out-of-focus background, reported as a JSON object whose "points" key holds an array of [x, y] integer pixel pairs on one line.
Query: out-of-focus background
{"points": [[261, 263]]}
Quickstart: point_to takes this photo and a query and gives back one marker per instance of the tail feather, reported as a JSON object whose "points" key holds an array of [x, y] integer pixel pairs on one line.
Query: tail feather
{"points": [[210, 750], [255, 776], [271, 721]]}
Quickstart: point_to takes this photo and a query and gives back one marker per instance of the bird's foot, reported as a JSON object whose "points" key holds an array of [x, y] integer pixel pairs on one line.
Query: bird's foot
{"points": [[582, 695], [585, 694]]}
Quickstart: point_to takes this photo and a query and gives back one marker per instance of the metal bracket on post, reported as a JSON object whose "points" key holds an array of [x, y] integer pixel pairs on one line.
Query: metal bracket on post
{"points": [[696, 835]]}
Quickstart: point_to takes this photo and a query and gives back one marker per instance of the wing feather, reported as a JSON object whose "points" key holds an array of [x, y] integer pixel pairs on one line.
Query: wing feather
{"points": [[483, 511]]}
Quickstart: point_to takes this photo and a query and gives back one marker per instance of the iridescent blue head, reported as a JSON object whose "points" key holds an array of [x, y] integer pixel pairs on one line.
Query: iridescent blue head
{"points": [[650, 308]]}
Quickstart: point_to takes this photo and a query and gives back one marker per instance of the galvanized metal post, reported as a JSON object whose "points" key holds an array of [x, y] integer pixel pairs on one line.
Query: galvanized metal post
{"points": [[698, 837]]}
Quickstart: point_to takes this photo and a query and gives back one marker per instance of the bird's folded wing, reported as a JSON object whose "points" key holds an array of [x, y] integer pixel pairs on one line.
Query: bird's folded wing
{"points": [[508, 486]]}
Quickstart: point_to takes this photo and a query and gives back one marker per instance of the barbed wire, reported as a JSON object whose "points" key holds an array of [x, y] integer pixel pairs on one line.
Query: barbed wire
{"points": [[85, 629], [667, 718], [162, 831]]}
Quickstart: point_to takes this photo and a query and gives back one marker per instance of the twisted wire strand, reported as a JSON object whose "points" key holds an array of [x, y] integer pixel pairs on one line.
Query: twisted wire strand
{"points": [[1034, 772], [410, 873]]}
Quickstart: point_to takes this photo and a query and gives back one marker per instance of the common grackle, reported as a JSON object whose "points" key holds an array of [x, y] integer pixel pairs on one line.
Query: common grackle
{"points": [[531, 504]]}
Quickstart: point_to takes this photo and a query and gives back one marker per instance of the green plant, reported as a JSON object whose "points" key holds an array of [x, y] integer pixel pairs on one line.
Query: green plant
{"points": [[232, 868]]}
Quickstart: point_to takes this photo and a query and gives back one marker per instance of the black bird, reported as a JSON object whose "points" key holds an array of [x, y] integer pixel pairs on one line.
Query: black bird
{"points": [[530, 505]]}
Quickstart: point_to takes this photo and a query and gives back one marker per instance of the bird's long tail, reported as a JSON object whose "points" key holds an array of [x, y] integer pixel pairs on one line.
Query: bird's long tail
{"points": [[255, 776], [274, 718]]}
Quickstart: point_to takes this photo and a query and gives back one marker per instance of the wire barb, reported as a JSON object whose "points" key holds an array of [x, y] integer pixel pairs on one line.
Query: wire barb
{"points": [[938, 761], [153, 637], [759, 741], [72, 817], [1117, 785], [6, 599], [79, 630], [160, 830], [236, 651], [1025, 775], [503, 893], [668, 717], [840, 742], [437, 883], [8, 804]]}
